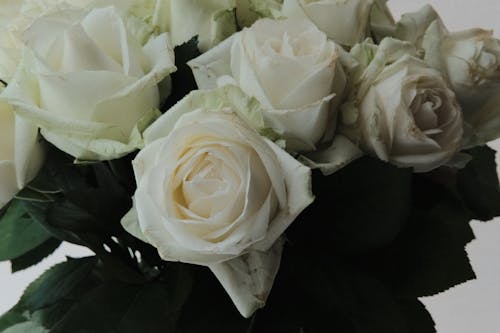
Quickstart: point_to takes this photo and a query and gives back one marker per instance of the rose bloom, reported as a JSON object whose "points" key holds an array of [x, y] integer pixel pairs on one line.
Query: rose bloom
{"points": [[471, 61], [88, 83], [410, 117], [344, 21], [15, 17], [290, 67], [21, 154], [210, 189]]}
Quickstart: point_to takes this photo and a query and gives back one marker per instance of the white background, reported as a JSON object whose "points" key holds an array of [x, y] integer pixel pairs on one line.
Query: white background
{"points": [[473, 307]]}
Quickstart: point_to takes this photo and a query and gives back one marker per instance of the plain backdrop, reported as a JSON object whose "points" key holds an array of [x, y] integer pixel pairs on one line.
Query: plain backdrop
{"points": [[473, 307]]}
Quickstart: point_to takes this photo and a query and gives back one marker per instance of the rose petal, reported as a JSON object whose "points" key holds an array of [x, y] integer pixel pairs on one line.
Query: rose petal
{"points": [[248, 279]]}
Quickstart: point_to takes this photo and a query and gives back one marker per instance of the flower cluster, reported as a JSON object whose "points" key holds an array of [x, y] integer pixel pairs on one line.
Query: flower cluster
{"points": [[284, 87]]}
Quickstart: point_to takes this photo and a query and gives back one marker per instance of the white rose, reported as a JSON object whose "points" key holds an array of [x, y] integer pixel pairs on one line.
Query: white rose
{"points": [[15, 17], [210, 189], [21, 155], [471, 61], [88, 84], [344, 21], [407, 115], [290, 67]]}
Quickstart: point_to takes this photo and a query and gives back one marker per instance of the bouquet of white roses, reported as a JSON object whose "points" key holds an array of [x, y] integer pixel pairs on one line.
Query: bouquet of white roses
{"points": [[316, 160]]}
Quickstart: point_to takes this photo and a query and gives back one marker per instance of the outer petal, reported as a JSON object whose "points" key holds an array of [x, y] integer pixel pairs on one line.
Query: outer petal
{"points": [[382, 22], [337, 155], [227, 96], [299, 195], [130, 222], [88, 148], [21, 154], [248, 279], [292, 8], [213, 64], [8, 184], [388, 51], [212, 21], [244, 73], [302, 128], [412, 26], [343, 21], [485, 121], [29, 152]]}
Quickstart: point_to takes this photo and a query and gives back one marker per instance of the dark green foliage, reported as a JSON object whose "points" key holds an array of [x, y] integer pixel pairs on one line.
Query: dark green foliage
{"points": [[209, 309], [56, 283], [429, 255], [182, 79], [18, 232], [117, 307], [363, 206], [35, 255], [9, 319], [478, 184]]}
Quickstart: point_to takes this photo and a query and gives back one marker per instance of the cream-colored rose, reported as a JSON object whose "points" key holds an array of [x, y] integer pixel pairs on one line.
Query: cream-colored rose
{"points": [[471, 61], [15, 17], [88, 84], [344, 21], [290, 67], [21, 154], [210, 190], [403, 110]]}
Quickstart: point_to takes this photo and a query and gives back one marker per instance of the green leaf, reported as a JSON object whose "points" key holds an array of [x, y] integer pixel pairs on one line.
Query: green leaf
{"points": [[38, 212], [28, 194], [19, 233], [35, 255], [26, 327], [52, 314], [117, 264], [478, 184], [359, 208], [183, 79], [124, 173], [11, 318], [56, 283], [429, 256], [120, 307], [211, 306], [68, 216], [43, 183], [321, 293], [418, 318]]}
